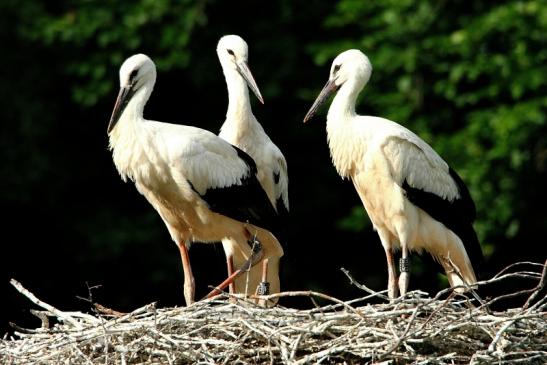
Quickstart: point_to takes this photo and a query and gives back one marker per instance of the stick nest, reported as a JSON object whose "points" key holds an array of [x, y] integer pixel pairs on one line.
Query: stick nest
{"points": [[417, 329]]}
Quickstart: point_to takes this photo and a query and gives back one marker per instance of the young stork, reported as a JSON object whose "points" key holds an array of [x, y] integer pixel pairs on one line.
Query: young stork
{"points": [[413, 198], [243, 130], [203, 188]]}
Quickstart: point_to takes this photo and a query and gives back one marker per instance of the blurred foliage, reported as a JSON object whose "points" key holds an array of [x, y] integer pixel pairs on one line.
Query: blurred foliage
{"points": [[468, 77], [107, 31]]}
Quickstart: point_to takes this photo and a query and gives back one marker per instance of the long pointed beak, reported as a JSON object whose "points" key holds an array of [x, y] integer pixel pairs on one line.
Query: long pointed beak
{"points": [[328, 89], [125, 94], [244, 70]]}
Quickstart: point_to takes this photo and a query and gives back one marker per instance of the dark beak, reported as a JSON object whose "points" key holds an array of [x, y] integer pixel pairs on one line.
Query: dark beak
{"points": [[328, 89], [124, 96], [244, 71]]}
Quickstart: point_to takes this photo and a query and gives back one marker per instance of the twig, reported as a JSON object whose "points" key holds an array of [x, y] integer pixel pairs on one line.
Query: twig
{"points": [[521, 263], [403, 336], [42, 316], [108, 311], [44, 305], [362, 286], [416, 329], [538, 288], [306, 293]]}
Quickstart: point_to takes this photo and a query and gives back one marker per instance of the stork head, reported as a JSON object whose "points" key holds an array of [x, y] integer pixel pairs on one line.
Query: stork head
{"points": [[233, 54], [136, 72], [350, 70]]}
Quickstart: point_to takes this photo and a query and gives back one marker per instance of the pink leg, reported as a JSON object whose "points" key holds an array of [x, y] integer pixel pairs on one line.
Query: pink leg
{"points": [[264, 286], [256, 255], [392, 289], [230, 266], [189, 283], [265, 270], [218, 289]]}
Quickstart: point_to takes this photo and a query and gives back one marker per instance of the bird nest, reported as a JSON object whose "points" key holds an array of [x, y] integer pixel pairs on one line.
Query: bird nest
{"points": [[445, 329]]}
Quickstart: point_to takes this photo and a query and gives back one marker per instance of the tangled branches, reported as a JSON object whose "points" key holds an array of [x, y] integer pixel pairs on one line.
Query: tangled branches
{"points": [[446, 329]]}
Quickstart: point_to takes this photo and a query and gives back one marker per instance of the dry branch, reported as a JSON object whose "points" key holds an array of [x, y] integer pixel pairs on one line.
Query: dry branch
{"points": [[225, 330]]}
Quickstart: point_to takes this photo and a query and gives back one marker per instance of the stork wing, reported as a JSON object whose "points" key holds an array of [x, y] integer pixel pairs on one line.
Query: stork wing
{"points": [[281, 193], [414, 161], [225, 178], [244, 201], [430, 184], [281, 181]]}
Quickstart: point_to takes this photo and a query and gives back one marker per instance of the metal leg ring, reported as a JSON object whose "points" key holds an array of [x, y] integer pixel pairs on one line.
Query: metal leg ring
{"points": [[263, 288], [404, 265]]}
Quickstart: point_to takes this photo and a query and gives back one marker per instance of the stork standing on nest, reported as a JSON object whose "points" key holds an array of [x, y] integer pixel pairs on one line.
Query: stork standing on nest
{"points": [[242, 129], [203, 188], [413, 198]]}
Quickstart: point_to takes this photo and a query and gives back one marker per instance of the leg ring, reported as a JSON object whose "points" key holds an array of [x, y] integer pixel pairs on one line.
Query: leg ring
{"points": [[263, 288], [404, 265]]}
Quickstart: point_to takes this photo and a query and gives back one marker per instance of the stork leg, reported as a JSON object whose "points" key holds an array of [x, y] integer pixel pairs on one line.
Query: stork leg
{"points": [[392, 289], [256, 255], [404, 268], [263, 287], [189, 282], [230, 266]]}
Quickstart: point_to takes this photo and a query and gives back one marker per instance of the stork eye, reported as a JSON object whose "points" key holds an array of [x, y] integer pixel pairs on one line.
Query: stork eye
{"points": [[133, 74], [336, 68], [231, 52]]}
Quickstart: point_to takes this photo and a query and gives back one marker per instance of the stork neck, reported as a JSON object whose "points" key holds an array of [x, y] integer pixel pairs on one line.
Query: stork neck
{"points": [[239, 104], [343, 105], [140, 99], [133, 114], [132, 117]]}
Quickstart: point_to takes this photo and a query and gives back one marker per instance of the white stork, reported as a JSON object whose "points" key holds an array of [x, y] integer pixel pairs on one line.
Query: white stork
{"points": [[413, 198], [203, 188], [242, 129]]}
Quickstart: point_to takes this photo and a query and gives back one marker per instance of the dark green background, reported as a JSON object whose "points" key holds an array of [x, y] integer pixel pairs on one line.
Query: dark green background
{"points": [[469, 77]]}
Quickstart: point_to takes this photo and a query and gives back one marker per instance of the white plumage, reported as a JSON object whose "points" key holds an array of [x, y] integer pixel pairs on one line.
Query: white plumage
{"points": [[413, 198], [203, 188], [242, 129]]}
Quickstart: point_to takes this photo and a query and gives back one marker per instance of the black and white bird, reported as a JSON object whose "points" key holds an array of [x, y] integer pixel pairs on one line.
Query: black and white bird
{"points": [[241, 129], [203, 188], [413, 198]]}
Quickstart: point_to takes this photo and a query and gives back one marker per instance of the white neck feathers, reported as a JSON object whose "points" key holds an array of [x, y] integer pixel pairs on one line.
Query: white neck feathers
{"points": [[126, 138], [239, 104], [340, 135]]}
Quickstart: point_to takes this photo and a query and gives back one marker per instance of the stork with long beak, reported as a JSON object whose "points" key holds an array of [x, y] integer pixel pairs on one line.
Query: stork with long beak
{"points": [[204, 189], [415, 201], [241, 129]]}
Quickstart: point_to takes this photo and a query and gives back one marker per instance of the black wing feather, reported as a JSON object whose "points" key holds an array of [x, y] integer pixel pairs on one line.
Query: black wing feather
{"points": [[283, 219], [457, 215], [244, 202]]}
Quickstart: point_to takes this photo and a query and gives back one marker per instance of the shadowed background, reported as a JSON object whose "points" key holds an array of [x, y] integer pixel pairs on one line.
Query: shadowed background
{"points": [[469, 78]]}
